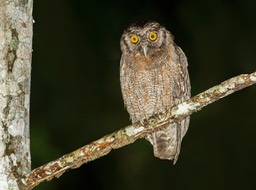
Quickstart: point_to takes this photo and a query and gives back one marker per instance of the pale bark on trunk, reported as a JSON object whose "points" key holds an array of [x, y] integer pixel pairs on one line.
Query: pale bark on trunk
{"points": [[15, 71]]}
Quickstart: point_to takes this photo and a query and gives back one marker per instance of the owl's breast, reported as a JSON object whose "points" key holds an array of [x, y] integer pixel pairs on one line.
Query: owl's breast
{"points": [[141, 62], [146, 91]]}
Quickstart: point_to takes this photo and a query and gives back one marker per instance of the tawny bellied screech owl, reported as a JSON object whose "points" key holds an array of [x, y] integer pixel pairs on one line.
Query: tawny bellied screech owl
{"points": [[154, 77]]}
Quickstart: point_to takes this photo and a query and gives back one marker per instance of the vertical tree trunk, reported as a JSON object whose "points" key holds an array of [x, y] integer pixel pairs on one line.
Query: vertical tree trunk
{"points": [[15, 69]]}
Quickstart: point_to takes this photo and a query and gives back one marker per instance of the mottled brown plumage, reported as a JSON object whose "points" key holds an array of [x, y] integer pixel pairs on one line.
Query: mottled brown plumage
{"points": [[154, 77]]}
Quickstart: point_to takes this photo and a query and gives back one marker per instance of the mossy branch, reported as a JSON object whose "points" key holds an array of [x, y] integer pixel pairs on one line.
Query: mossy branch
{"points": [[131, 133]]}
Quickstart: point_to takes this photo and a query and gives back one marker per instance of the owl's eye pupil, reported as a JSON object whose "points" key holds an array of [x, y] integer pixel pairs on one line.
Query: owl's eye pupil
{"points": [[152, 36], [134, 39]]}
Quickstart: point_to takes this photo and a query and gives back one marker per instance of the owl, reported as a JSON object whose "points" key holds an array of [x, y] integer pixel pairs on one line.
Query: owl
{"points": [[154, 77]]}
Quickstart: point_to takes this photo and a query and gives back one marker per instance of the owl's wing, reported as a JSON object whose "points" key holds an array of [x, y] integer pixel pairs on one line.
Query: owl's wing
{"points": [[183, 87], [180, 95], [167, 142]]}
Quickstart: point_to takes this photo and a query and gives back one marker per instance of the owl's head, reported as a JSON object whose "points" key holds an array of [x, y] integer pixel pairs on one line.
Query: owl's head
{"points": [[145, 38]]}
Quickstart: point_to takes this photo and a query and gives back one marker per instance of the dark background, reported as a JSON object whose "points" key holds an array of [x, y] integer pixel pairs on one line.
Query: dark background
{"points": [[76, 96]]}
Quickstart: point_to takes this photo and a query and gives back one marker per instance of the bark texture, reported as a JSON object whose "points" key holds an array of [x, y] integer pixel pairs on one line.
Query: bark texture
{"points": [[15, 68]]}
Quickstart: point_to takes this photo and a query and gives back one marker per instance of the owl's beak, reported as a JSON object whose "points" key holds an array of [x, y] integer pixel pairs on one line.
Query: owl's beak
{"points": [[145, 50]]}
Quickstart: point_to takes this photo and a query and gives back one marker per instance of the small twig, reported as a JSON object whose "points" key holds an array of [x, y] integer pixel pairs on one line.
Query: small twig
{"points": [[131, 133]]}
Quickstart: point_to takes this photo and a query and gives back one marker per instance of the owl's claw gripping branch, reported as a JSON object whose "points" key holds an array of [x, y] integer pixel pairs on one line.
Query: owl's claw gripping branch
{"points": [[133, 132]]}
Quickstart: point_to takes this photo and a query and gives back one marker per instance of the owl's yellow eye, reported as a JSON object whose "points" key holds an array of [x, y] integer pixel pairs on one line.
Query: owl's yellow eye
{"points": [[134, 39], [152, 36]]}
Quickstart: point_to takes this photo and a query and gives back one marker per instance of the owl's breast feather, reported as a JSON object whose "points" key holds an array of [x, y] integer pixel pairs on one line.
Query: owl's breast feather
{"points": [[142, 62]]}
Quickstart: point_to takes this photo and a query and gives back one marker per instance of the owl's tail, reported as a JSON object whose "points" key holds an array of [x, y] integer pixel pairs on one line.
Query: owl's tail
{"points": [[167, 142]]}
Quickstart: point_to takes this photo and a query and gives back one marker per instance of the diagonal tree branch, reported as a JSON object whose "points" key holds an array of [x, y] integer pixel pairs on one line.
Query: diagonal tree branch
{"points": [[131, 133]]}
